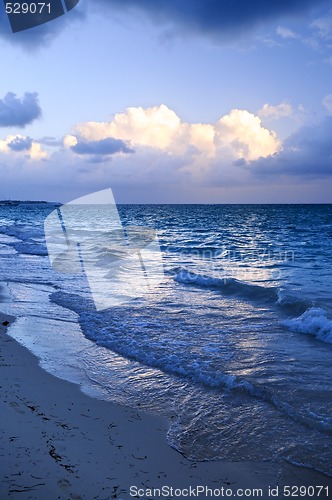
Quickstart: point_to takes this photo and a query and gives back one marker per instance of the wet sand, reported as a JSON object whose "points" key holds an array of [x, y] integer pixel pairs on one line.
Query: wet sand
{"points": [[58, 443]]}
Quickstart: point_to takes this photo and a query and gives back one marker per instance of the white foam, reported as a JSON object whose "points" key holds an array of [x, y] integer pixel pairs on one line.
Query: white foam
{"points": [[313, 322]]}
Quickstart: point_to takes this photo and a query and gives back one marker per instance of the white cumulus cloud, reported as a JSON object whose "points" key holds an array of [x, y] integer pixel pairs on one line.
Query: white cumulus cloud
{"points": [[142, 150], [244, 136], [239, 134]]}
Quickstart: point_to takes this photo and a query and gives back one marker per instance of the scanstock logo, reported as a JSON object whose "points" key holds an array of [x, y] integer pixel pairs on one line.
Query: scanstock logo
{"points": [[27, 14], [120, 262]]}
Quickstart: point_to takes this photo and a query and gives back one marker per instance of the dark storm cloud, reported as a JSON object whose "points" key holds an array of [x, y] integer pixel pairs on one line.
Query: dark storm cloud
{"points": [[306, 153], [16, 112], [104, 147], [224, 18], [20, 144]]}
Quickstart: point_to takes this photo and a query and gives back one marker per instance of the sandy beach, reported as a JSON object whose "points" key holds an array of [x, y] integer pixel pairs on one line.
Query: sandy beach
{"points": [[59, 443]]}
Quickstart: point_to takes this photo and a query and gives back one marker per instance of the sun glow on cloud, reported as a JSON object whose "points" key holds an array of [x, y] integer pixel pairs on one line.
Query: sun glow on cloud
{"points": [[153, 153], [275, 112], [238, 135], [36, 152], [21, 145], [244, 133]]}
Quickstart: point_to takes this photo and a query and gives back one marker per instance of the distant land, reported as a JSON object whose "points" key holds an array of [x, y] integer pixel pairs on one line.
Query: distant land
{"points": [[21, 202]]}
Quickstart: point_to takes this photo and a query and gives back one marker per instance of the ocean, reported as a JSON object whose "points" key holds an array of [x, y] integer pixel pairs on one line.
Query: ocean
{"points": [[233, 344]]}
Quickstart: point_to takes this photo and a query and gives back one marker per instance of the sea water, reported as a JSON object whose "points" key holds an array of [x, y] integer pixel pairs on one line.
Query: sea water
{"points": [[233, 345]]}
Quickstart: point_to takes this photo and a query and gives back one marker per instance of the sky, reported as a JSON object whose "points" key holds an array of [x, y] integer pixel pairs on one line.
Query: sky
{"points": [[170, 101]]}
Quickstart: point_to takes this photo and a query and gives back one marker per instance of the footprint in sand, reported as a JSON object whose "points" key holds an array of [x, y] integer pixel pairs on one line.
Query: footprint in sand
{"points": [[16, 407]]}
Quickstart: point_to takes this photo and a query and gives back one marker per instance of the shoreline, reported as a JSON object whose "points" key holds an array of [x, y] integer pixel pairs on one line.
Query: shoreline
{"points": [[59, 443]]}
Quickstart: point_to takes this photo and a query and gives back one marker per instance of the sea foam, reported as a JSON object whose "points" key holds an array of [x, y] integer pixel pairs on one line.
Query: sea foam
{"points": [[313, 321]]}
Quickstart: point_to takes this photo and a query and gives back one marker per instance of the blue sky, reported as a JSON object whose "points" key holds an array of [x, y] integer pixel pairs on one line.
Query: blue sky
{"points": [[205, 101]]}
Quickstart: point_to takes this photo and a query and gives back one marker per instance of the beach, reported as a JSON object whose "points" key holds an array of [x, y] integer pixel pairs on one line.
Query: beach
{"points": [[59, 443]]}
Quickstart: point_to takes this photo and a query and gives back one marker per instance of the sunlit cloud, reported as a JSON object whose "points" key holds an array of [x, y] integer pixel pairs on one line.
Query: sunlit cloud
{"points": [[157, 127], [240, 134], [151, 151], [275, 112], [19, 145]]}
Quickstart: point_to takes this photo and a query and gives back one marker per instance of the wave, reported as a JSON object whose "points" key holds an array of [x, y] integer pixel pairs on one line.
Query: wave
{"points": [[313, 321], [307, 466], [230, 286], [28, 248], [133, 340], [29, 242], [291, 303], [310, 320], [21, 232]]}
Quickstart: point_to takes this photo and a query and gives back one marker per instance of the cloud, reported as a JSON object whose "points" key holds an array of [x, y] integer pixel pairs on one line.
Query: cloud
{"points": [[275, 112], [236, 135], [323, 26], [285, 32], [305, 154], [156, 126], [327, 102], [21, 146], [221, 18], [52, 142], [236, 159], [172, 157], [19, 112], [108, 146], [242, 133]]}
